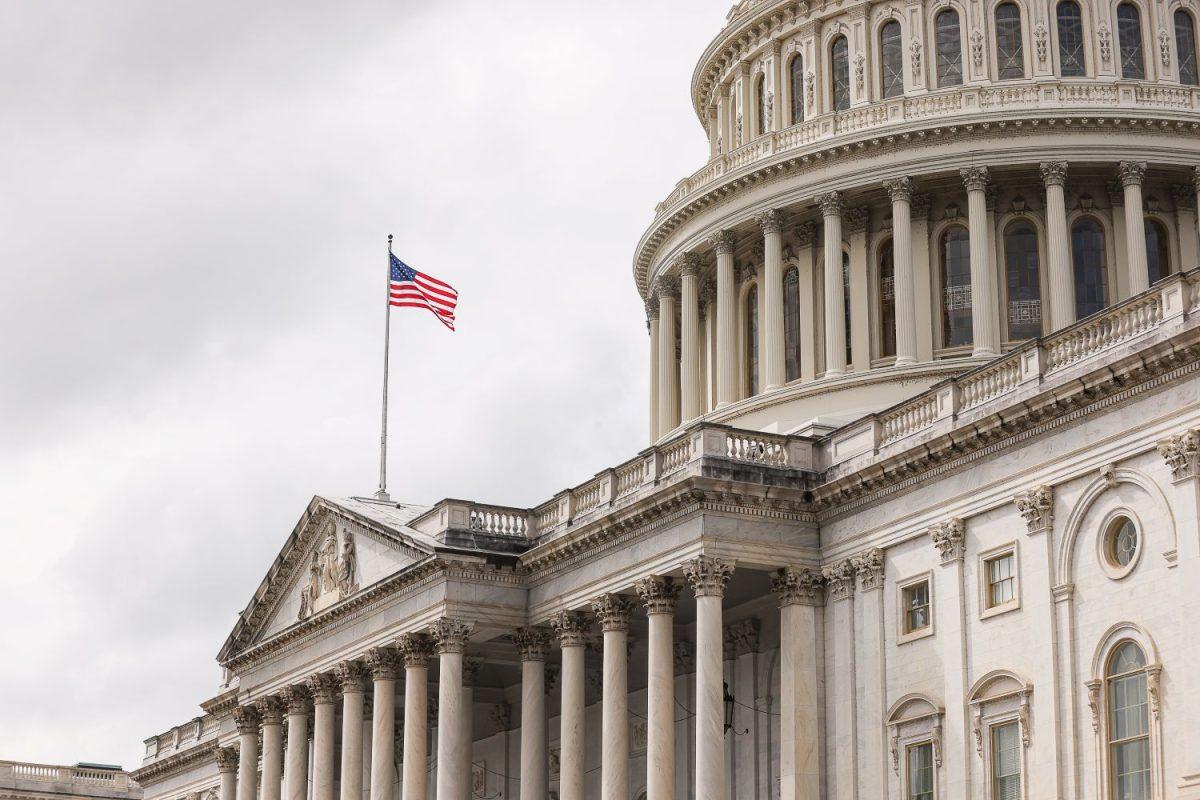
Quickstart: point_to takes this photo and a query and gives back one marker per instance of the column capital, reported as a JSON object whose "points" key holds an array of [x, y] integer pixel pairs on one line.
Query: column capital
{"points": [[1182, 454], [921, 203], [271, 710], [571, 628], [771, 221], [666, 287], [612, 610], [1037, 508], [689, 264], [708, 576], [830, 203], [806, 234], [246, 718], [723, 242], [797, 586], [975, 179], [531, 642], [1184, 195], [839, 578], [1196, 179], [950, 538], [857, 219], [450, 634], [323, 687], [900, 190], [227, 759], [351, 675], [296, 698], [1116, 193], [415, 648], [1131, 173], [651, 308], [868, 565], [741, 637], [384, 663], [659, 595], [1054, 173]]}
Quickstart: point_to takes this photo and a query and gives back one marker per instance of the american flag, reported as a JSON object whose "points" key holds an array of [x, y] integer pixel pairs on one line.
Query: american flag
{"points": [[411, 289]]}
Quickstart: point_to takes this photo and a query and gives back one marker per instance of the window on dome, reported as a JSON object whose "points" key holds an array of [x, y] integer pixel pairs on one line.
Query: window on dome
{"points": [[846, 300], [761, 100], [892, 62], [949, 49], [1158, 260], [797, 72], [1070, 39], [887, 300], [1091, 274], [1128, 727], [791, 324], [1010, 55], [956, 287], [840, 56], [1129, 36], [1021, 268], [752, 341], [1185, 47]]}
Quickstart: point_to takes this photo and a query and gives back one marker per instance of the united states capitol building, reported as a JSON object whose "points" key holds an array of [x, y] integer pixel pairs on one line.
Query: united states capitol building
{"points": [[919, 514]]}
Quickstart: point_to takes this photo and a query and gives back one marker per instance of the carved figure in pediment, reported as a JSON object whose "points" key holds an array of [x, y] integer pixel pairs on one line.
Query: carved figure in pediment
{"points": [[348, 567], [309, 593], [332, 575], [329, 562]]}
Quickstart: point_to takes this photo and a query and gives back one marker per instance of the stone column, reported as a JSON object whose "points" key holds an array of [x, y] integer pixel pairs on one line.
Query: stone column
{"points": [[1185, 222], [922, 279], [949, 537], [246, 718], [467, 734], [416, 648], [727, 362], [295, 775], [689, 335], [350, 676], [660, 596], [708, 577], [324, 690], [799, 592], [652, 327], [1060, 310], [856, 222], [870, 688], [806, 240], [839, 683], [1196, 198], [835, 308], [531, 643], [384, 663], [1131, 174], [270, 710], [772, 356], [450, 636], [667, 289], [612, 610], [903, 280], [227, 766], [984, 331], [571, 627]]}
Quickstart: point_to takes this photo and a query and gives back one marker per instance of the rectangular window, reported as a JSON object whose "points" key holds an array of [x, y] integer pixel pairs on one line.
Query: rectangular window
{"points": [[916, 607], [1002, 580], [1006, 762], [920, 772]]}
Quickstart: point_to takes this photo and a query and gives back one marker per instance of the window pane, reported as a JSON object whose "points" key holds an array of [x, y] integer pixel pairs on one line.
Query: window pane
{"points": [[1070, 39], [791, 324], [949, 49], [752, 339], [1001, 580], [916, 607], [1123, 544], [841, 74], [1128, 658], [1010, 58], [846, 299], [1131, 770], [1091, 278], [920, 772], [1158, 261], [893, 59], [797, 90], [887, 301], [1024, 287], [956, 287], [1129, 34], [1185, 44], [1006, 762]]}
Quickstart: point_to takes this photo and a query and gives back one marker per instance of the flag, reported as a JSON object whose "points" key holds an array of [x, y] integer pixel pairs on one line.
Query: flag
{"points": [[408, 288]]}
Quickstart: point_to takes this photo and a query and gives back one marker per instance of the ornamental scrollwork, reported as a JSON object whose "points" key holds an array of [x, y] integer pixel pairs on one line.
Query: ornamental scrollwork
{"points": [[1181, 452], [1164, 47], [1041, 38], [1037, 508], [950, 538], [977, 48], [1105, 35], [914, 52]]}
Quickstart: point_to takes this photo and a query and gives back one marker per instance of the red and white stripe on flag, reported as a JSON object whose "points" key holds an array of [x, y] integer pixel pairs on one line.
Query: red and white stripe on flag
{"points": [[408, 288]]}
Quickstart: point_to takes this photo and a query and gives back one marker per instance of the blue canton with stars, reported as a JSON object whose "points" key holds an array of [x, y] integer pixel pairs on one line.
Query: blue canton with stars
{"points": [[402, 271]]}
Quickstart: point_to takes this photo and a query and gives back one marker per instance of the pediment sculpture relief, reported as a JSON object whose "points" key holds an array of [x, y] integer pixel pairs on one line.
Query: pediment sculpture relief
{"points": [[332, 575]]}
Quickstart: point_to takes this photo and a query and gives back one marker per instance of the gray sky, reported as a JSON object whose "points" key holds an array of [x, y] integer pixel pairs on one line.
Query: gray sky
{"points": [[194, 203]]}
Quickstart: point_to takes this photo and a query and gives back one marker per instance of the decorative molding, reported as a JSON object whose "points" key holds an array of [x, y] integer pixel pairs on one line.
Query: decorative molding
{"points": [[323, 687], [384, 663], [531, 642], [830, 203], [856, 220], [416, 649], [900, 190], [975, 179], [351, 675], [571, 627], [839, 580], [914, 57], [771, 221], [271, 710], [950, 539], [806, 232], [227, 759], [450, 634], [1104, 33], [1037, 507], [689, 264], [296, 698], [723, 242], [1093, 687], [1041, 38], [708, 576], [869, 567], [1054, 173], [1132, 173], [660, 595], [613, 612], [1182, 454], [1184, 196], [977, 48], [246, 719], [741, 637], [797, 586]]}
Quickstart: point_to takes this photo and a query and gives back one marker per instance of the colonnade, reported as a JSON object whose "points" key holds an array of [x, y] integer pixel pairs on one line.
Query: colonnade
{"points": [[311, 706]]}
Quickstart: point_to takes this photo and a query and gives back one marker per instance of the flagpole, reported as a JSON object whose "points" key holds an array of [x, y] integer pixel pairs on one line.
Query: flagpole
{"points": [[382, 493]]}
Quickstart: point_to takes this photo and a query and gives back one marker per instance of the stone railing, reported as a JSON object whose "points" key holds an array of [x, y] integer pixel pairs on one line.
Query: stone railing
{"points": [[14, 771], [957, 106]]}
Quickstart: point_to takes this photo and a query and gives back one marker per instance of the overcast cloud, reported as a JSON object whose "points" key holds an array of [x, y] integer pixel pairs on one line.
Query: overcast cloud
{"points": [[194, 203]]}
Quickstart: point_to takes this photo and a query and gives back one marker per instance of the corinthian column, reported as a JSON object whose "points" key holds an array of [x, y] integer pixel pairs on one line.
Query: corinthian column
{"points": [[772, 358], [450, 636], [416, 649], [903, 279], [612, 610], [660, 596], [727, 365], [227, 766], [384, 663], [667, 289], [246, 719], [799, 592], [984, 332], [270, 710], [295, 774], [689, 336], [835, 287], [655, 400], [324, 689], [1132, 173], [531, 643], [1061, 278], [571, 627], [350, 675], [708, 577]]}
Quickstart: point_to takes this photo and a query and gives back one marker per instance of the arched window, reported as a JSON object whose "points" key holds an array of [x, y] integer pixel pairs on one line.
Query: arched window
{"points": [[791, 324], [1010, 55], [887, 300], [1091, 276], [1158, 260], [840, 73], [1128, 728], [846, 301], [956, 287], [1023, 284], [752, 341], [760, 97], [1129, 37], [949, 48], [1185, 46], [892, 61], [1070, 39], [797, 98]]}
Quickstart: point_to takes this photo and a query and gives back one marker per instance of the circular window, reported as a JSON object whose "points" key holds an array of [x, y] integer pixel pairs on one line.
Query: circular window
{"points": [[1120, 546]]}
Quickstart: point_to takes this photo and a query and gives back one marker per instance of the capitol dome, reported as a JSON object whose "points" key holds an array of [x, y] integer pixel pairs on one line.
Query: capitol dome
{"points": [[990, 173]]}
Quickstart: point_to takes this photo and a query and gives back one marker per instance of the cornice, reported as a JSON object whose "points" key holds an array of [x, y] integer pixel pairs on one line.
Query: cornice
{"points": [[202, 753]]}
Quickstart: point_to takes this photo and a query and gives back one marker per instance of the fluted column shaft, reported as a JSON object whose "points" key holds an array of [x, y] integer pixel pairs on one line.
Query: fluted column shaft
{"points": [[903, 278], [652, 325], [452, 753], [727, 364], [227, 766], [351, 675], [708, 577], [984, 333], [531, 643], [1061, 281], [385, 665], [247, 720], [295, 774], [772, 357], [416, 649], [668, 366], [659, 595], [835, 303], [571, 627], [689, 333], [271, 711], [324, 691], [1132, 173], [613, 613], [799, 592]]}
